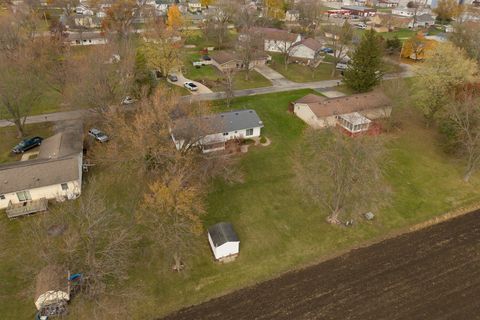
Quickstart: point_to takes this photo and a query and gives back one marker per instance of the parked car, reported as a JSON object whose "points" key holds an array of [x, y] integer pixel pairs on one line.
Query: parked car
{"points": [[206, 58], [341, 66], [128, 100], [362, 26], [172, 77], [197, 64], [327, 50], [98, 135], [190, 86], [27, 144]]}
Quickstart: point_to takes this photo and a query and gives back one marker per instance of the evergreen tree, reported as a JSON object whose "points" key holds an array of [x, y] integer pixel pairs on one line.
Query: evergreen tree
{"points": [[364, 71]]}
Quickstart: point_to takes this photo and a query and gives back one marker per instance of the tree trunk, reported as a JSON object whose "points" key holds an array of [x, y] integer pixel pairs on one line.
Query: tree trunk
{"points": [[19, 127], [469, 172], [333, 217], [177, 262]]}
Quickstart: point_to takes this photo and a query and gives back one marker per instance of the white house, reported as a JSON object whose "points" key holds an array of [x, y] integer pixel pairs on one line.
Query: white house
{"points": [[86, 38], [211, 132], [55, 173], [194, 6], [307, 50], [409, 12], [223, 241], [276, 40], [423, 21], [292, 15], [320, 112]]}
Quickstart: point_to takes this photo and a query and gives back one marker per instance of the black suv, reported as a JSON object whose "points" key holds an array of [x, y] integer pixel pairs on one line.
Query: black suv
{"points": [[27, 144]]}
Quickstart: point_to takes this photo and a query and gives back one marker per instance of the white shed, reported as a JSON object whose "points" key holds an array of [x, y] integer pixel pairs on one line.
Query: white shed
{"points": [[223, 241]]}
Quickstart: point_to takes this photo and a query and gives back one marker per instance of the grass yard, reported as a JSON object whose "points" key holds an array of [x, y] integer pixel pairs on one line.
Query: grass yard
{"points": [[300, 73], [212, 77], [402, 34], [278, 226], [9, 139]]}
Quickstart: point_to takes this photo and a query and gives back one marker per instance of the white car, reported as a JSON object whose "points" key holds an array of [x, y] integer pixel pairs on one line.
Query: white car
{"points": [[341, 66], [362, 26], [129, 100], [190, 86], [98, 135]]}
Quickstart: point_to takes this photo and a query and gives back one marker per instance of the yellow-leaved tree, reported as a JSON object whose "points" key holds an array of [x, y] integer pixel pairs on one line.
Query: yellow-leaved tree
{"points": [[174, 18]]}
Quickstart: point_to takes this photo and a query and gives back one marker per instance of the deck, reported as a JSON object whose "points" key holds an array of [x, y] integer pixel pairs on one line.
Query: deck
{"points": [[15, 210]]}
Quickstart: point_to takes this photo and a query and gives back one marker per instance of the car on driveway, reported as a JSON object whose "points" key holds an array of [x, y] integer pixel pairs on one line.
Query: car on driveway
{"points": [[27, 144], [206, 58], [361, 26], [190, 86], [342, 66], [98, 135], [172, 77], [327, 50]]}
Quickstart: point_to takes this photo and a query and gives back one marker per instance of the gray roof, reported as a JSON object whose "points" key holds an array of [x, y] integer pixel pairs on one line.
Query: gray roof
{"points": [[58, 161], [222, 233], [358, 8], [425, 18], [217, 123], [72, 36]]}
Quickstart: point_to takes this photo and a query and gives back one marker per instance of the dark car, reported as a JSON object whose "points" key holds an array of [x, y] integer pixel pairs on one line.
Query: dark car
{"points": [[327, 50], [172, 77], [206, 58], [27, 144]]}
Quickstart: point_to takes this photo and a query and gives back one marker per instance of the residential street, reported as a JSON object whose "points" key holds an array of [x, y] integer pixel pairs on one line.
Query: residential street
{"points": [[279, 86]]}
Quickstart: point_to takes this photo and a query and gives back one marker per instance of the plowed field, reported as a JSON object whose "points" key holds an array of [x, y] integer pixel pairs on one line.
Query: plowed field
{"points": [[433, 273]]}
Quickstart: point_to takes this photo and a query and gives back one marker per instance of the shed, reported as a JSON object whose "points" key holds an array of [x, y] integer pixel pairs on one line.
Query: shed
{"points": [[223, 241], [52, 288]]}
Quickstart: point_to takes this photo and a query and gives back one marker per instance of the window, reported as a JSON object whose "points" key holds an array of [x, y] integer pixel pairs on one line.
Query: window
{"points": [[2, 197], [64, 186], [249, 132], [24, 196]]}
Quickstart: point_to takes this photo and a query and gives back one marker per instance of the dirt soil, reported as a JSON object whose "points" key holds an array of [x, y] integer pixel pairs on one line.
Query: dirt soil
{"points": [[433, 273]]}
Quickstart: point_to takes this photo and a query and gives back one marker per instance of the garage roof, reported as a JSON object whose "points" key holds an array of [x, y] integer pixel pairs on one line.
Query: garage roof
{"points": [[222, 233]]}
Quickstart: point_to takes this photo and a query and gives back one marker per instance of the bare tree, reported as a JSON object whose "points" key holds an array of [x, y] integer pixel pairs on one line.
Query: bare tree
{"points": [[339, 173], [228, 83], [101, 79], [89, 237], [216, 24], [463, 118], [339, 39], [311, 14], [466, 35], [250, 41]]}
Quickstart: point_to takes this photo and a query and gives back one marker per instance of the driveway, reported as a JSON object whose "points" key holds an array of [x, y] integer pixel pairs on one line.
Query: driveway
{"points": [[181, 80], [276, 78]]}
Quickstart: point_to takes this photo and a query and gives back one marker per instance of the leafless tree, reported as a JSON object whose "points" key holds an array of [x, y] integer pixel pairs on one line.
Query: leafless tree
{"points": [[228, 83], [466, 35], [101, 80], [339, 39], [463, 116], [339, 173], [250, 40], [311, 14], [216, 24], [89, 237]]}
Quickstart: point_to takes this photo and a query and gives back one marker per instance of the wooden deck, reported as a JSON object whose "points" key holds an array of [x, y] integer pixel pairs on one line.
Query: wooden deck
{"points": [[27, 207]]}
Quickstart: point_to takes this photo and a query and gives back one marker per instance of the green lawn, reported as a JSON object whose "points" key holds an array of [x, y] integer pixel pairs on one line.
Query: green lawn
{"points": [[212, 77], [278, 227], [301, 73], [402, 34]]}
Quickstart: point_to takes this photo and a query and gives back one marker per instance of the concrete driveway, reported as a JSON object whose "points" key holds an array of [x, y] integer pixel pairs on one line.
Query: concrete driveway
{"points": [[276, 78], [181, 80]]}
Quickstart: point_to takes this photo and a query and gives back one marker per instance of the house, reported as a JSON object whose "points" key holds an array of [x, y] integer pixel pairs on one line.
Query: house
{"points": [[353, 113], [86, 21], [387, 3], [306, 50], [423, 21], [194, 6], [360, 11], [409, 12], [211, 132], [223, 241], [55, 173], [229, 59], [86, 38], [52, 291], [276, 40], [292, 16]]}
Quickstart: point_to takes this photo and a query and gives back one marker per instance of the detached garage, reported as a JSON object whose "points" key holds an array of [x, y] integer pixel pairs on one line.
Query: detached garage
{"points": [[223, 241]]}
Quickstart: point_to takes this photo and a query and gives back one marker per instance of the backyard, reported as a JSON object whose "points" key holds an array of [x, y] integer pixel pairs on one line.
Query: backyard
{"points": [[278, 227], [300, 73]]}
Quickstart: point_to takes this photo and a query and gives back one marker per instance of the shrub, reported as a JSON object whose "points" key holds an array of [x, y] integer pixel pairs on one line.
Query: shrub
{"points": [[263, 139]]}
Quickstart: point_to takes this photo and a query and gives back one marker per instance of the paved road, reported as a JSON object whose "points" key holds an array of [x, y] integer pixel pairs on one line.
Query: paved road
{"points": [[319, 86]]}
